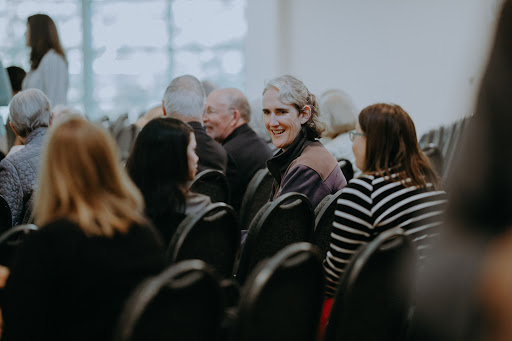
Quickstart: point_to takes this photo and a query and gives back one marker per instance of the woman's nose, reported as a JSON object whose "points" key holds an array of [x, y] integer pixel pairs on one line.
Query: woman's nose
{"points": [[273, 120]]}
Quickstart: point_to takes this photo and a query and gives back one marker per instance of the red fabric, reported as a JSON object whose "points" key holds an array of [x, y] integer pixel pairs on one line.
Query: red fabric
{"points": [[326, 309]]}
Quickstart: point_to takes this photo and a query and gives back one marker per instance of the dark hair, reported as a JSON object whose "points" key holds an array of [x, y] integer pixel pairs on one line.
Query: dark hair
{"points": [[16, 75], [158, 165], [43, 37], [391, 145], [480, 183]]}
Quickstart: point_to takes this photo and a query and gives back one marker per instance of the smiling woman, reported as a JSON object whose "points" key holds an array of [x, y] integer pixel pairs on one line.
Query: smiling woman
{"points": [[302, 165]]}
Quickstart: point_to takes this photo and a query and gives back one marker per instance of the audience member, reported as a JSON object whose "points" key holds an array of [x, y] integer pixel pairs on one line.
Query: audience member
{"points": [[155, 112], [340, 115], [465, 293], [61, 111], [184, 99], [398, 189], [29, 113], [48, 65], [72, 277], [226, 115], [302, 165], [5, 88], [208, 87], [162, 163], [16, 77]]}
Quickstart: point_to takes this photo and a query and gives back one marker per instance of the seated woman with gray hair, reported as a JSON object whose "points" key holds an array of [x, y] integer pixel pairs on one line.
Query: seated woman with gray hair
{"points": [[29, 113], [291, 115], [340, 115]]}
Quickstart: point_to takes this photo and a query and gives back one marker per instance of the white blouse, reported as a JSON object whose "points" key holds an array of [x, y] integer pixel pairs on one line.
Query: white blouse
{"points": [[51, 77]]}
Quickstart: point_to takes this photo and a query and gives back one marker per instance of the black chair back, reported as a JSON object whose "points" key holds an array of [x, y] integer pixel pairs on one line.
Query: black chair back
{"points": [[5, 215], [183, 303], [346, 168], [11, 239], [288, 219], [324, 217], [435, 155], [283, 296], [256, 195], [212, 235], [213, 183], [28, 207], [373, 298]]}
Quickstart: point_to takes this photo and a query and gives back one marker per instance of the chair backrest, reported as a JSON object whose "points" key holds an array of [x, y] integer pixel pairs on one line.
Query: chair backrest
{"points": [[373, 298], [213, 183], [256, 195], [212, 235], [435, 155], [11, 239], [283, 296], [324, 217], [288, 219], [346, 168], [28, 207], [5, 215], [183, 303]]}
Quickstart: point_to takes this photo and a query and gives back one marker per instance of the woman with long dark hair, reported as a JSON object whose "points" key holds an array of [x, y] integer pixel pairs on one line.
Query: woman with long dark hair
{"points": [[48, 65], [398, 188], [162, 164]]}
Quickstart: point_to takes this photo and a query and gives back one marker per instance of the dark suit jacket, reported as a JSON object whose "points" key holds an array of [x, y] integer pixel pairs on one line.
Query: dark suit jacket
{"points": [[210, 152], [247, 153]]}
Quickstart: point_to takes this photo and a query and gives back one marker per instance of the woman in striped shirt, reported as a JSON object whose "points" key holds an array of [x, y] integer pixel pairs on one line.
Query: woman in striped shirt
{"points": [[398, 188]]}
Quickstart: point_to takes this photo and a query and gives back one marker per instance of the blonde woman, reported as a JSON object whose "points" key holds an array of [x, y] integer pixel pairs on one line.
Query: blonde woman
{"points": [[71, 277]]}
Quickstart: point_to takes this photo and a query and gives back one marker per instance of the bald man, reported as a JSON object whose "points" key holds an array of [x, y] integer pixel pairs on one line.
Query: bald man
{"points": [[225, 118]]}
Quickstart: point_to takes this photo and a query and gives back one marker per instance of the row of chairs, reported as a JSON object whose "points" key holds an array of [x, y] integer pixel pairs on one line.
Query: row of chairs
{"points": [[281, 299], [441, 145]]}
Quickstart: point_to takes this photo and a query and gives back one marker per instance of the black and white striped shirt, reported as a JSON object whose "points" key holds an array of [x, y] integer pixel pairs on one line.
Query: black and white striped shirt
{"points": [[371, 204]]}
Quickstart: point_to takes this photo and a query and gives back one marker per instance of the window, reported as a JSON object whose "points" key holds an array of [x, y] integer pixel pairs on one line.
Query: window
{"points": [[122, 54]]}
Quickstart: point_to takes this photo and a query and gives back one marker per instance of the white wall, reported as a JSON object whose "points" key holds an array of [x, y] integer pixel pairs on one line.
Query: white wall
{"points": [[426, 55]]}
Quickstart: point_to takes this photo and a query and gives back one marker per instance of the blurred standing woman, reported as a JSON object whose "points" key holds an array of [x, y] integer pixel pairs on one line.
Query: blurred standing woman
{"points": [[71, 277], [302, 164], [398, 189], [48, 65]]}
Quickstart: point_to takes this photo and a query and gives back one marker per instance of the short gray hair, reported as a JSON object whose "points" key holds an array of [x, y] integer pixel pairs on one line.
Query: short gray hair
{"points": [[293, 92], [185, 97], [29, 110]]}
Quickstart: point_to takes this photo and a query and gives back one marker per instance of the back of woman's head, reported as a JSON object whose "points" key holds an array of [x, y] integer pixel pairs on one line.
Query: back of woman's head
{"points": [[391, 145], [43, 37], [338, 112], [293, 92], [158, 164], [82, 180]]}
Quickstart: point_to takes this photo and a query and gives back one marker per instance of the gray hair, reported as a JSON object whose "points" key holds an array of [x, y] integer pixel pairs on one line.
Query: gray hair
{"points": [[293, 92], [338, 112], [29, 110], [238, 101], [185, 97]]}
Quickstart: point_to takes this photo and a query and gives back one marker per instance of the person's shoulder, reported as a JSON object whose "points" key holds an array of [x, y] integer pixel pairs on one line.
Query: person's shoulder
{"points": [[51, 58]]}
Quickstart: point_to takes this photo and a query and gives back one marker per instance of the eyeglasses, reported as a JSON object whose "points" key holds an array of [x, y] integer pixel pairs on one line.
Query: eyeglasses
{"points": [[353, 134]]}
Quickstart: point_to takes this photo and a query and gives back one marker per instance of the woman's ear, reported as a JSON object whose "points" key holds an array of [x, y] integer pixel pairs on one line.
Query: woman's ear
{"points": [[305, 114]]}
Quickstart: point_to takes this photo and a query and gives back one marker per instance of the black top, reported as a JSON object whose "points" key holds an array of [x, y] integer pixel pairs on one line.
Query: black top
{"points": [[247, 153], [210, 152], [67, 286]]}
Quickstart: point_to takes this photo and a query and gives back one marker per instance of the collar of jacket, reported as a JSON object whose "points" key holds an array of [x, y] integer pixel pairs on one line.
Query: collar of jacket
{"points": [[279, 163], [35, 134], [240, 130]]}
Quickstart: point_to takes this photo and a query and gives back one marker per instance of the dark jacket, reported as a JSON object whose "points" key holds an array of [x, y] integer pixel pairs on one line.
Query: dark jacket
{"points": [[71, 286], [18, 174], [247, 153], [305, 167], [210, 152]]}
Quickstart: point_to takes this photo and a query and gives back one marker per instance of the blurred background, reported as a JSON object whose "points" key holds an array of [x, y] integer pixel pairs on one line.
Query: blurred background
{"points": [[426, 56]]}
